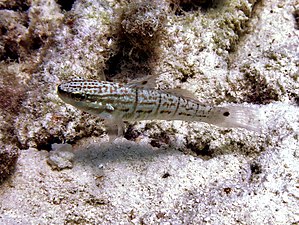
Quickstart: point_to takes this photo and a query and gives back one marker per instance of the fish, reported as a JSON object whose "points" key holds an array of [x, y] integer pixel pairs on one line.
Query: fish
{"points": [[116, 102]]}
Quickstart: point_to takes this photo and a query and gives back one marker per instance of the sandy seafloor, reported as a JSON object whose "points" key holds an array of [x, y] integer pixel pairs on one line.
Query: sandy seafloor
{"points": [[163, 172]]}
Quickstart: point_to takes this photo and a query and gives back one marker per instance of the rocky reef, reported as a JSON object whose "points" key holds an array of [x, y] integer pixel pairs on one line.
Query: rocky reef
{"points": [[56, 166]]}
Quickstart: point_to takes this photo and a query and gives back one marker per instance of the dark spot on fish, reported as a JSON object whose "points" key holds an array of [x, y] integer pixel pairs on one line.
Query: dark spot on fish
{"points": [[226, 114]]}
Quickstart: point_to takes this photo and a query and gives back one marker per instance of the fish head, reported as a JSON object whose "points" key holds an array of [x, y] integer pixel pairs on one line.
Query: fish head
{"points": [[86, 95]]}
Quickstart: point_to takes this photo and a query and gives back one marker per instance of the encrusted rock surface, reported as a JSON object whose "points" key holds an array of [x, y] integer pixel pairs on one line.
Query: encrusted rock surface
{"points": [[8, 158], [240, 51]]}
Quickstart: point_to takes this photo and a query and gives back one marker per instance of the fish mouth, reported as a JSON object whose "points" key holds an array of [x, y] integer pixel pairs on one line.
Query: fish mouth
{"points": [[60, 89], [62, 93]]}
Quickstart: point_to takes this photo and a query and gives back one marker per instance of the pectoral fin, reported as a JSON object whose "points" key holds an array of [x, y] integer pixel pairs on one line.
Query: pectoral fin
{"points": [[114, 128]]}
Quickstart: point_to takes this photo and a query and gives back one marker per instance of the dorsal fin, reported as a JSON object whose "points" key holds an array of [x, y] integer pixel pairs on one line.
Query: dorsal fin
{"points": [[148, 82], [181, 92]]}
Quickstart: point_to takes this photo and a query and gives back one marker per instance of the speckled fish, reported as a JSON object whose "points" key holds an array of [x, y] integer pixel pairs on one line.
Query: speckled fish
{"points": [[116, 102]]}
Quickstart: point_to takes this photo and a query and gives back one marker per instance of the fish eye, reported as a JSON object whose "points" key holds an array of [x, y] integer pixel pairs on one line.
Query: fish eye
{"points": [[226, 114], [77, 96]]}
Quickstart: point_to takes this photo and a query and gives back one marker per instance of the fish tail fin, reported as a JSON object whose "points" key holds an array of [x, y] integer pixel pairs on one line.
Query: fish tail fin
{"points": [[236, 116]]}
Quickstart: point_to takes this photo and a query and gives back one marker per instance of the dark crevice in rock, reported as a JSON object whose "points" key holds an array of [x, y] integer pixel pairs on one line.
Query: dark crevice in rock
{"points": [[66, 5], [12, 95], [8, 158], [256, 8], [180, 7], [202, 150], [296, 16], [15, 5], [160, 139], [137, 36], [260, 91], [131, 133], [244, 27], [255, 171], [47, 144]]}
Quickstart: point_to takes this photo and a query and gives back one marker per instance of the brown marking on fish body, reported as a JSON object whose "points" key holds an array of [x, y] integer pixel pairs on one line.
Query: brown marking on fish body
{"points": [[144, 111], [184, 114], [177, 106], [165, 111]]}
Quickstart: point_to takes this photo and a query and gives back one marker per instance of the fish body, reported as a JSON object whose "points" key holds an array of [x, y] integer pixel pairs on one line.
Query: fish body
{"points": [[119, 102]]}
